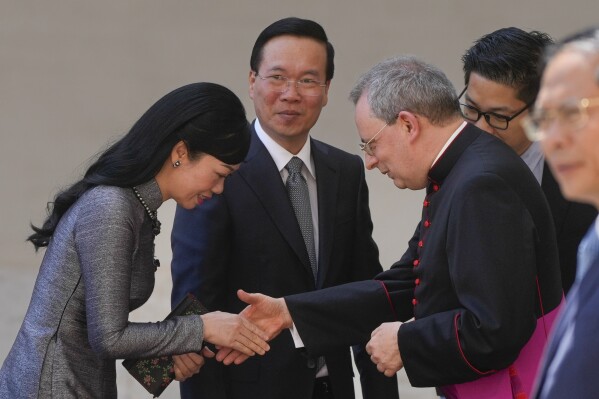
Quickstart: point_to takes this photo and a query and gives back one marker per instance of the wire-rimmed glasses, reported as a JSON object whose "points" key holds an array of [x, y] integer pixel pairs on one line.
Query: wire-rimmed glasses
{"points": [[280, 84], [572, 115]]}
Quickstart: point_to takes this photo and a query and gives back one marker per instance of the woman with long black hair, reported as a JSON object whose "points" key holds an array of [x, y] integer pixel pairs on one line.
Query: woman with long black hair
{"points": [[99, 263]]}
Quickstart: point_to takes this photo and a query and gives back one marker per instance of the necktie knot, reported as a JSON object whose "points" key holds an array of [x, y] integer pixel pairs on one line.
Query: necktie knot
{"points": [[294, 165]]}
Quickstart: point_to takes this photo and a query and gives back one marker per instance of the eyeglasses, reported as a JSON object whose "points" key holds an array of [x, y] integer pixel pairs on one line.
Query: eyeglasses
{"points": [[572, 115], [497, 121], [366, 146], [280, 84]]}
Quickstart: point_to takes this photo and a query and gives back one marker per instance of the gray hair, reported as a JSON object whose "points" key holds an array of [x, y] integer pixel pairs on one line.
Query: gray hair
{"points": [[585, 41], [406, 83]]}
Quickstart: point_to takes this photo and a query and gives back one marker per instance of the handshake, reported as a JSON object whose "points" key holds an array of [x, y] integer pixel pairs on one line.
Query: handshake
{"points": [[237, 337]]}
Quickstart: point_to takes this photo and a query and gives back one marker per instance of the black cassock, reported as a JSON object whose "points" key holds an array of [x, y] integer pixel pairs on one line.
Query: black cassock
{"points": [[469, 275]]}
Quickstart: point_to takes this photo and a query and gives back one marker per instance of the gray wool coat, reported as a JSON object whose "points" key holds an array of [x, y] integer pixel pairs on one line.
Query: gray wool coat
{"points": [[97, 268]]}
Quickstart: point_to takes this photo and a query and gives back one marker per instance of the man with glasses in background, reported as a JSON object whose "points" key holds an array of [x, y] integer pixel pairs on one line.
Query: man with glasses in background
{"points": [[565, 119], [293, 218], [502, 80]]}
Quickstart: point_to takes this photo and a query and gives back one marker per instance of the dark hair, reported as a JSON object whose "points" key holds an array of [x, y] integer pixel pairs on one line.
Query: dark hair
{"points": [[294, 27], [208, 118], [509, 56]]}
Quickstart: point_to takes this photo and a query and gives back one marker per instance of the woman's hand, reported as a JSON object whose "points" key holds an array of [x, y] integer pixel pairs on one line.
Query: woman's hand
{"points": [[189, 364], [235, 332]]}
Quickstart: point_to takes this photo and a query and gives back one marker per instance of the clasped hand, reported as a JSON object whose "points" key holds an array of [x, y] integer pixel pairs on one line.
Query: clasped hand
{"points": [[383, 348], [188, 364]]}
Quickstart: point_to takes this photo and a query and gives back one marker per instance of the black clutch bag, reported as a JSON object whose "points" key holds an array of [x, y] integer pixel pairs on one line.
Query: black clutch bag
{"points": [[157, 373]]}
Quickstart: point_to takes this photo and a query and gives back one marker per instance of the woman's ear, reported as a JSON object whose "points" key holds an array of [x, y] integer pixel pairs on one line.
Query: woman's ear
{"points": [[179, 152]]}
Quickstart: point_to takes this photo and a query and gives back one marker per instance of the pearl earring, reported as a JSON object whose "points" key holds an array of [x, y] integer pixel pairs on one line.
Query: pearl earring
{"points": [[176, 164]]}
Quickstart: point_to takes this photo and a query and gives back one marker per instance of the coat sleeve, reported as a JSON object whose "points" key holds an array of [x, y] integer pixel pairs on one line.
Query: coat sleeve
{"points": [[105, 237], [347, 314]]}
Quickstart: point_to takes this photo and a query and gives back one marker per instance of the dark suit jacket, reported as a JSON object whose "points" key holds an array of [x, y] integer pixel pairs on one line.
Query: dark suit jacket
{"points": [[468, 277], [249, 238], [572, 220], [577, 374]]}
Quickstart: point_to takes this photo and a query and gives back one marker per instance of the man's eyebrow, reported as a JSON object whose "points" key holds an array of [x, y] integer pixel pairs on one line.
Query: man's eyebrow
{"points": [[495, 109]]}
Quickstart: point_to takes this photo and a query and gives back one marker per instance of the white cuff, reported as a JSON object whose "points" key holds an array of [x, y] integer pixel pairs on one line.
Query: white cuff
{"points": [[297, 340]]}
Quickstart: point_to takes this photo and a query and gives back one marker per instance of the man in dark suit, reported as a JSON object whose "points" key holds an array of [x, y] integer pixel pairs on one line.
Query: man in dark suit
{"points": [[502, 80], [566, 120], [256, 236], [480, 276]]}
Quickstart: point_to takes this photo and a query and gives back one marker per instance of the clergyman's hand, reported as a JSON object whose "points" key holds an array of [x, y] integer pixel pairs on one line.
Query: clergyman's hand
{"points": [[383, 348], [269, 314]]}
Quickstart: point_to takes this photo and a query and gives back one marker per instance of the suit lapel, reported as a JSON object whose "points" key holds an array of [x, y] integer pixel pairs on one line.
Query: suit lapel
{"points": [[580, 295], [327, 183], [260, 172]]}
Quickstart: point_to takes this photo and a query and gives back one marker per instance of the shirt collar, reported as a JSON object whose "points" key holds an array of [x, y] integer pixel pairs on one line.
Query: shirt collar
{"points": [[449, 141], [280, 155], [534, 158]]}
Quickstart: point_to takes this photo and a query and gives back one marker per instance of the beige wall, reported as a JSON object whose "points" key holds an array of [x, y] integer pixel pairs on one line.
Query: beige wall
{"points": [[74, 75]]}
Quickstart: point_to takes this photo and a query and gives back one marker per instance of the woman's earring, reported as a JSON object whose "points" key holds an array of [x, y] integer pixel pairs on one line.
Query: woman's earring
{"points": [[176, 164]]}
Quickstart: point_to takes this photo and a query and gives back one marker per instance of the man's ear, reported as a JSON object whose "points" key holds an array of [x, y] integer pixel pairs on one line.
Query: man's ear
{"points": [[410, 123], [251, 81], [325, 98]]}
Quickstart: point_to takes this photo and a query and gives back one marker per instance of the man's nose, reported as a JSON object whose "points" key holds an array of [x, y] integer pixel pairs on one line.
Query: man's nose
{"points": [[370, 161], [292, 91]]}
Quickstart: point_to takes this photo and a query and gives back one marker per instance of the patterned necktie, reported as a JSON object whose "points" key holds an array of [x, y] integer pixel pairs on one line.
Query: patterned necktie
{"points": [[297, 188]]}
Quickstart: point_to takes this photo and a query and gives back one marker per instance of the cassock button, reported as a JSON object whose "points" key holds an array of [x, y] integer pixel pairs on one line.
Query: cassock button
{"points": [[311, 363], [421, 243], [414, 301], [417, 281], [436, 187], [426, 203], [427, 223], [416, 262]]}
